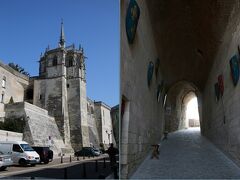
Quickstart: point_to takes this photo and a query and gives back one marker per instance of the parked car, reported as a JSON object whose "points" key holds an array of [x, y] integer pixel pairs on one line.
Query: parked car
{"points": [[97, 151], [20, 152], [87, 151], [5, 161], [46, 155]]}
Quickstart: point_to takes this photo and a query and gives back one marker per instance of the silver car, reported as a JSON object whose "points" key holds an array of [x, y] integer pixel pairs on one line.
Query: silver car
{"points": [[5, 161]]}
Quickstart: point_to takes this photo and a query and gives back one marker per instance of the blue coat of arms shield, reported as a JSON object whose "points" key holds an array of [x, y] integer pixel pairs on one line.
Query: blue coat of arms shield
{"points": [[234, 64], [133, 13]]}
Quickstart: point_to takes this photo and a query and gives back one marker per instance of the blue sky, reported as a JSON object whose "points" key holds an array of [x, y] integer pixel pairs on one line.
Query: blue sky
{"points": [[28, 27]]}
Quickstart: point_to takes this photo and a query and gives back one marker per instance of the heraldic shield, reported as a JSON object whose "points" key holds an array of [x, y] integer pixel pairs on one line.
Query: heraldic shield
{"points": [[133, 13], [234, 64], [150, 72], [217, 91], [221, 84]]}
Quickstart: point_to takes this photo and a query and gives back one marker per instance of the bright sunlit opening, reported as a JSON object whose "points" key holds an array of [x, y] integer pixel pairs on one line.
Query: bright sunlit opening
{"points": [[192, 109], [192, 115]]}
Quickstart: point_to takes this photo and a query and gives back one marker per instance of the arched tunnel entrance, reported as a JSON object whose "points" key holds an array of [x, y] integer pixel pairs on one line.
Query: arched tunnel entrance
{"points": [[194, 48], [191, 111], [181, 110]]}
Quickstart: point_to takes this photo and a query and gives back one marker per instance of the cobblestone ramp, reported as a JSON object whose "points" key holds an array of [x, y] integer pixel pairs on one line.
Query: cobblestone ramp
{"points": [[186, 154]]}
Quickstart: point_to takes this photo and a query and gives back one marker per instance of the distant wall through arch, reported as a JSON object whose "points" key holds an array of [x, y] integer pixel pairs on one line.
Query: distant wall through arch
{"points": [[178, 96]]}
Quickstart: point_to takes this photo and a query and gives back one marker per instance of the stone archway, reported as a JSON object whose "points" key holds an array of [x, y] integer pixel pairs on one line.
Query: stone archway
{"points": [[175, 110], [190, 110]]}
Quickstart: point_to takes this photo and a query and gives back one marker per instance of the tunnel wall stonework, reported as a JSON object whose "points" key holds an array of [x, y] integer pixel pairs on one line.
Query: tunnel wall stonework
{"points": [[145, 124], [224, 135]]}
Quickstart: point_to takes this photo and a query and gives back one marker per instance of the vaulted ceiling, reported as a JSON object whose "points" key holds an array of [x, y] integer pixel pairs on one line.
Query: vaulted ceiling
{"points": [[187, 34]]}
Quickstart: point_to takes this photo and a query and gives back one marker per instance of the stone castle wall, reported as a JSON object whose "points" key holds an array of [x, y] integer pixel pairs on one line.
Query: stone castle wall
{"points": [[83, 109], [94, 137], [115, 123], [142, 121], [77, 103], [221, 120], [104, 123], [40, 128], [15, 84], [10, 136], [50, 94]]}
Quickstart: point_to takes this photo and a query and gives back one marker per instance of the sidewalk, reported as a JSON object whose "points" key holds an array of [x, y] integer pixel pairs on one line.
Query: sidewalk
{"points": [[76, 169], [188, 155]]}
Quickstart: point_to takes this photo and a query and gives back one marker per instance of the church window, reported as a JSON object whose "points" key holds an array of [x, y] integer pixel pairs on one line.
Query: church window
{"points": [[4, 82], [70, 63], [55, 61], [67, 85], [43, 68], [40, 96], [92, 112], [2, 97]]}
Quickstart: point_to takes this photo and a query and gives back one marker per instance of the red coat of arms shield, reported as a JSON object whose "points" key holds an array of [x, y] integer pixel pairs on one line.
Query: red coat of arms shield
{"points": [[221, 84]]}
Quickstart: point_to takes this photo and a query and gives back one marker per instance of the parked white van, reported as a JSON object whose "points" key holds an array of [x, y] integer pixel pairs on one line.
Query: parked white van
{"points": [[21, 152]]}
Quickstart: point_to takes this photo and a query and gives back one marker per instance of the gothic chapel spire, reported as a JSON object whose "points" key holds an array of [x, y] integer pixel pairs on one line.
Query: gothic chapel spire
{"points": [[62, 38]]}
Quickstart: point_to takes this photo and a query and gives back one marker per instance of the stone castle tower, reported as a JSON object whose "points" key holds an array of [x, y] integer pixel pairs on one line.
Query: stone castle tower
{"points": [[61, 89]]}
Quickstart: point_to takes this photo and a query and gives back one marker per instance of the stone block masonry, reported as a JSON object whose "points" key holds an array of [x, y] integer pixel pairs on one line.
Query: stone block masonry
{"points": [[142, 121], [10, 136], [50, 94], [77, 111], [221, 119], [40, 128]]}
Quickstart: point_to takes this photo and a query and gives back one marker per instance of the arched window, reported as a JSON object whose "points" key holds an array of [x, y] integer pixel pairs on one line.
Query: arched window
{"points": [[4, 82], [2, 97], [43, 67], [70, 62], [55, 61]]}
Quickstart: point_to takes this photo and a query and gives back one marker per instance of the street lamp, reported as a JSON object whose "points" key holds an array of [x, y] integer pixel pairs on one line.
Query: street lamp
{"points": [[109, 135]]}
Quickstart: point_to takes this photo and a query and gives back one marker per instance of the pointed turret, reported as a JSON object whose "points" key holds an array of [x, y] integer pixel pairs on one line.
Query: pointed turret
{"points": [[62, 38]]}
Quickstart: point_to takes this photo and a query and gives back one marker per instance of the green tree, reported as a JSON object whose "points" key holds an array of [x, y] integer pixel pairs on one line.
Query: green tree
{"points": [[18, 68]]}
